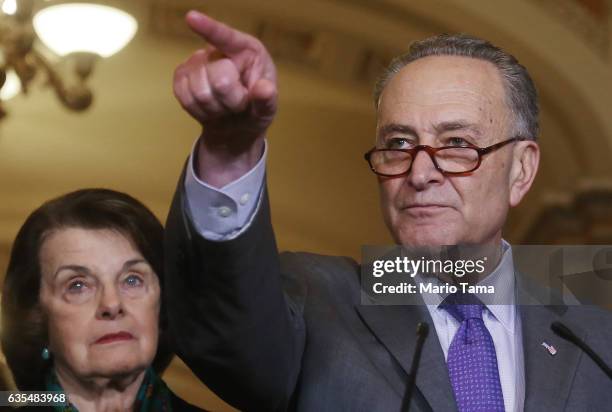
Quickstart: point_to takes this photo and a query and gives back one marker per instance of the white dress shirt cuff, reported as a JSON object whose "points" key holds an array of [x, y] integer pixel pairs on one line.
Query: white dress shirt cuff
{"points": [[223, 214]]}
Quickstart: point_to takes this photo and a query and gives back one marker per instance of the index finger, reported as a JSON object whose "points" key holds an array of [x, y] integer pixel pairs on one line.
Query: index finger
{"points": [[226, 39]]}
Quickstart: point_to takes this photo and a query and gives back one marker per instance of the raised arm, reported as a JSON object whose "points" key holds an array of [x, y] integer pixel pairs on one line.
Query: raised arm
{"points": [[227, 313]]}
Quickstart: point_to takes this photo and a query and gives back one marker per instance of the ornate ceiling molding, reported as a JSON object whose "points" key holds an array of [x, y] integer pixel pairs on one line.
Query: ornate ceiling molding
{"points": [[322, 50]]}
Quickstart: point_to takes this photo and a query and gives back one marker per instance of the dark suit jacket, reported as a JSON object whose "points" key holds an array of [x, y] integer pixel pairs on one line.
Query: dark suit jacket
{"points": [[275, 332]]}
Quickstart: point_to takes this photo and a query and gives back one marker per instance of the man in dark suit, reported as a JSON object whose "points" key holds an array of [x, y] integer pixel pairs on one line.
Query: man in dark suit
{"points": [[456, 130]]}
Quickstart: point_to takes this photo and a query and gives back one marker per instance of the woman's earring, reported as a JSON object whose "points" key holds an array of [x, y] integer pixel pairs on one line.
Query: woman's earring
{"points": [[45, 353]]}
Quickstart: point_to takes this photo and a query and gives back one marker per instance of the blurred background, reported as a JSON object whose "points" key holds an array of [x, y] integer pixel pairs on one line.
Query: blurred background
{"points": [[134, 137]]}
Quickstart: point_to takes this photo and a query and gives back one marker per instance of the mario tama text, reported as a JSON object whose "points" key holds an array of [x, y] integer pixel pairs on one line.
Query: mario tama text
{"points": [[405, 275], [431, 275], [430, 287]]}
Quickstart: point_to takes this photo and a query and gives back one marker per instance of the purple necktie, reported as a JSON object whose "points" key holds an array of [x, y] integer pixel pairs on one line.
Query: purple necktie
{"points": [[471, 361]]}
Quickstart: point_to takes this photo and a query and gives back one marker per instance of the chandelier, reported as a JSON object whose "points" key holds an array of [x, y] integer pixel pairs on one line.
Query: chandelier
{"points": [[59, 41]]}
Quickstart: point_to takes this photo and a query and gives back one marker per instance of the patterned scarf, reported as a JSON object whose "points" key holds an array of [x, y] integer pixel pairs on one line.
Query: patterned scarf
{"points": [[153, 395]]}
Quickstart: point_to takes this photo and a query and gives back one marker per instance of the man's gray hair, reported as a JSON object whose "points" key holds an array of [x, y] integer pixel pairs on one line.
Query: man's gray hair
{"points": [[521, 94]]}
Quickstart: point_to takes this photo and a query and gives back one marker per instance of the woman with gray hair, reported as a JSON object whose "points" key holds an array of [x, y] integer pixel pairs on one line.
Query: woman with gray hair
{"points": [[81, 304]]}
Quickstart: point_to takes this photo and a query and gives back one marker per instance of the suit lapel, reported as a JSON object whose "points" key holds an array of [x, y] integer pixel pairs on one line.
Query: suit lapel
{"points": [[395, 327], [548, 378]]}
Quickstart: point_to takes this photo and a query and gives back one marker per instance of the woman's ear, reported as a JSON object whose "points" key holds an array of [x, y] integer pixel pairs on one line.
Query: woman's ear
{"points": [[525, 161]]}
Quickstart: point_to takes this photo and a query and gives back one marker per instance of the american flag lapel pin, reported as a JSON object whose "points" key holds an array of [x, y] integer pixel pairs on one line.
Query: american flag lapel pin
{"points": [[550, 348]]}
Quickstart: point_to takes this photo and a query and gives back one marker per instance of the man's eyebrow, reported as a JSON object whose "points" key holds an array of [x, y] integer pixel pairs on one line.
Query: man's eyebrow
{"points": [[396, 127], [457, 125]]}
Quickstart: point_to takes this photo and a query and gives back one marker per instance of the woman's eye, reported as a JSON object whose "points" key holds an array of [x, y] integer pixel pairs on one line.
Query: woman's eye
{"points": [[133, 281], [76, 286]]}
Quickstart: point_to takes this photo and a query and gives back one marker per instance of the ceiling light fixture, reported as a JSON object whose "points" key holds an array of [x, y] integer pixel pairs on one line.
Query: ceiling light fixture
{"points": [[53, 39]]}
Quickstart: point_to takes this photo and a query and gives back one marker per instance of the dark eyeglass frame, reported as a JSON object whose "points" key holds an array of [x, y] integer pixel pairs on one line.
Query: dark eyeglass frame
{"points": [[431, 151]]}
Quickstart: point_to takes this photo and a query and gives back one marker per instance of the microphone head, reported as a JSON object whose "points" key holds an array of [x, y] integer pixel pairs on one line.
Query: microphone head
{"points": [[563, 331], [567, 334], [422, 329]]}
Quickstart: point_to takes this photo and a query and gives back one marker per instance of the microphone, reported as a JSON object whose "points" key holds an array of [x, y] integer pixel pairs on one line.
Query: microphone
{"points": [[565, 332], [421, 331]]}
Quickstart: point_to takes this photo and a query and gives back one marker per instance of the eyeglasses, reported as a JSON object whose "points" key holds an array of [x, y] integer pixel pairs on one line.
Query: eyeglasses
{"points": [[449, 160]]}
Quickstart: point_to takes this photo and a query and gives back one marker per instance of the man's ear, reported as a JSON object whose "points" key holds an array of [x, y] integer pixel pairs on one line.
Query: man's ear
{"points": [[525, 161]]}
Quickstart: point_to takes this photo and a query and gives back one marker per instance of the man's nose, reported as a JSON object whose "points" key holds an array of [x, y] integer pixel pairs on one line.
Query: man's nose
{"points": [[110, 305], [423, 171]]}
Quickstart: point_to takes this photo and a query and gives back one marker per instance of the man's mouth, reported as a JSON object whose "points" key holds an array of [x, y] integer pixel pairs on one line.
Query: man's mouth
{"points": [[424, 209]]}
